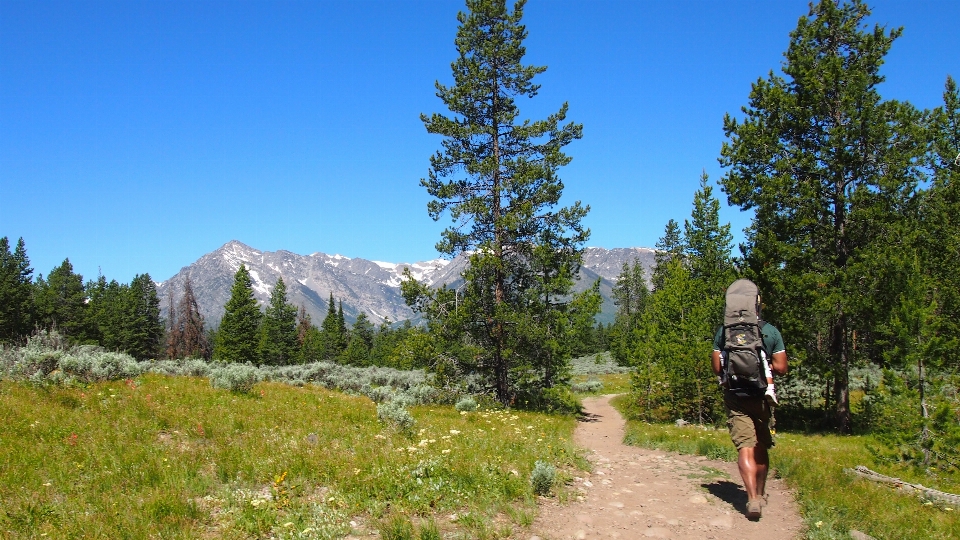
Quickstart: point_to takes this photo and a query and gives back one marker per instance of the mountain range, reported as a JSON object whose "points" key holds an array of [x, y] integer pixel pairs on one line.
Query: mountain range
{"points": [[371, 287]]}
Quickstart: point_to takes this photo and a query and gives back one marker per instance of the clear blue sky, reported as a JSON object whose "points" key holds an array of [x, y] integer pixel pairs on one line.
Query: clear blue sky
{"points": [[137, 136]]}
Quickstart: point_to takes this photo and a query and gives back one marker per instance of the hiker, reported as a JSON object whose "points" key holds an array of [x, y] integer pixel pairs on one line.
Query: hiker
{"points": [[739, 348]]}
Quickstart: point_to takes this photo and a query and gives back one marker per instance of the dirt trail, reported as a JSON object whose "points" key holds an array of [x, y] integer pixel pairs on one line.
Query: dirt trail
{"points": [[639, 493]]}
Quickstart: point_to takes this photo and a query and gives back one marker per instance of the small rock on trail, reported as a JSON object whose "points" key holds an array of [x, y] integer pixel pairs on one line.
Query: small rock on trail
{"points": [[638, 493]]}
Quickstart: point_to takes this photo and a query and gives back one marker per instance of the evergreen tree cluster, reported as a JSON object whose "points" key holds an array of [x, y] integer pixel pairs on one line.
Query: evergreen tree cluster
{"points": [[282, 335], [117, 316], [666, 333]]}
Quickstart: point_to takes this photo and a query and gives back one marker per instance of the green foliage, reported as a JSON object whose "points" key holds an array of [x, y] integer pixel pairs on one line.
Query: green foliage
{"points": [[630, 295], [542, 477], [361, 340], [671, 342], [278, 331], [16, 292], [332, 333], [239, 334], [126, 317], [920, 433], [556, 399], [397, 527]]}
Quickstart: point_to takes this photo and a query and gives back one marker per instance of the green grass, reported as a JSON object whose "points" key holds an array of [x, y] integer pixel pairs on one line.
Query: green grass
{"points": [[832, 502], [171, 457]]}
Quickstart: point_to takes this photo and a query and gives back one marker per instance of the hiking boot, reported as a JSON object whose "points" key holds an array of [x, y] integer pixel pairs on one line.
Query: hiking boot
{"points": [[754, 509]]}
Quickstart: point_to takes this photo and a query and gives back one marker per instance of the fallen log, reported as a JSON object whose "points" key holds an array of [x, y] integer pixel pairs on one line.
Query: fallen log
{"points": [[922, 491]]}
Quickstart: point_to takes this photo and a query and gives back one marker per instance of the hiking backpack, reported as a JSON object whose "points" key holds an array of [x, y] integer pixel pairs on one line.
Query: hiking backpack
{"points": [[743, 340]]}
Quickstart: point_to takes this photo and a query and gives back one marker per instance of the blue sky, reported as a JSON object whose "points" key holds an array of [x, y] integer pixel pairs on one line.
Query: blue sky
{"points": [[137, 136]]}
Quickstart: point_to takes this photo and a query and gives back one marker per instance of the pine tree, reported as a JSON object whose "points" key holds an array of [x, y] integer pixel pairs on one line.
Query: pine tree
{"points": [[668, 247], [278, 331], [358, 348], [143, 326], [496, 176], [827, 166], [940, 218], [105, 311], [342, 335], [16, 292], [708, 243], [630, 295], [62, 303], [239, 333], [330, 332]]}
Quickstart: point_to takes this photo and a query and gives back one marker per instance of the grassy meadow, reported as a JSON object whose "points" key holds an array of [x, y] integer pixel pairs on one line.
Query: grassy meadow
{"points": [[832, 502], [171, 457]]}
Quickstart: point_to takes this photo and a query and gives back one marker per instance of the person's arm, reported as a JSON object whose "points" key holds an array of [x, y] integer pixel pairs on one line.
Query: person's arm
{"points": [[778, 360], [715, 359], [778, 363]]}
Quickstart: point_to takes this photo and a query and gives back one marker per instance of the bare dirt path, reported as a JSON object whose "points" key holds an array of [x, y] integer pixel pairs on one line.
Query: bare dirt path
{"points": [[639, 493]]}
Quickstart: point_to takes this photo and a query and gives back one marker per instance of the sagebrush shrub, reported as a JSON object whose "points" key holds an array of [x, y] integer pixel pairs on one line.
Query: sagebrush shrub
{"points": [[395, 414], [48, 359], [467, 404], [587, 387], [598, 364], [541, 479], [235, 377]]}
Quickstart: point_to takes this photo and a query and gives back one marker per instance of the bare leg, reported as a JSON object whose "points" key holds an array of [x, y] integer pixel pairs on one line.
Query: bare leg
{"points": [[762, 462], [749, 471]]}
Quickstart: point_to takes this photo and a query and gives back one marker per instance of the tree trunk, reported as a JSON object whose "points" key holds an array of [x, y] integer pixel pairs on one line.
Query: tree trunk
{"points": [[841, 375]]}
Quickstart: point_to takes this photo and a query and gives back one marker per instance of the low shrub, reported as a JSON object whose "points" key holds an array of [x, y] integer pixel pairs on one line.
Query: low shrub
{"points": [[587, 387], [395, 414], [596, 364], [541, 479], [239, 378], [48, 359], [467, 404]]}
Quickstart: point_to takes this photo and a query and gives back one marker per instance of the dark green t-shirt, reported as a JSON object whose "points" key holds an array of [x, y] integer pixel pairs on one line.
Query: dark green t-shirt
{"points": [[772, 340]]}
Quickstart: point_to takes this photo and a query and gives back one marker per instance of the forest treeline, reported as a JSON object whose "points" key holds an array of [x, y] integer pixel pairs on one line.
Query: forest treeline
{"points": [[127, 318]]}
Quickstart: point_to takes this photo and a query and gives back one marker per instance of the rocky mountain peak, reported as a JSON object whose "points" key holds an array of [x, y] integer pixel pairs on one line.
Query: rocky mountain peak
{"points": [[371, 287]]}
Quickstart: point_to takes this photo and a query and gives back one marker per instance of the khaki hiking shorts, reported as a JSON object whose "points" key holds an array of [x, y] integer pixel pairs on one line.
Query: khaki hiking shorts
{"points": [[749, 421]]}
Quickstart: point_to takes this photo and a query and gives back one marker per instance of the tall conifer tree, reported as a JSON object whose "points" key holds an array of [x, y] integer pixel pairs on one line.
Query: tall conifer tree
{"points": [[497, 178], [16, 291], [144, 328], [827, 166], [62, 303], [278, 332], [239, 333]]}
